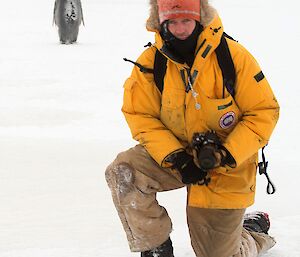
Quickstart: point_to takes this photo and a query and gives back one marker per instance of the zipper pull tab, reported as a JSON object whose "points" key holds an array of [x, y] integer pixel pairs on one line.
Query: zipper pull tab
{"points": [[194, 94]]}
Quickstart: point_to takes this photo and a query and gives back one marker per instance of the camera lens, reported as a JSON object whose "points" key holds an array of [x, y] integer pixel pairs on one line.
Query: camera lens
{"points": [[207, 159]]}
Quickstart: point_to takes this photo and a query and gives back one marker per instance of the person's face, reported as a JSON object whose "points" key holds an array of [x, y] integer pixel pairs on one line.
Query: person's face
{"points": [[181, 28]]}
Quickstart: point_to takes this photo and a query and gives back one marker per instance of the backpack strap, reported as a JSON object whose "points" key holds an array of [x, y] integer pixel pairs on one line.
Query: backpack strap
{"points": [[224, 59], [159, 70], [226, 65]]}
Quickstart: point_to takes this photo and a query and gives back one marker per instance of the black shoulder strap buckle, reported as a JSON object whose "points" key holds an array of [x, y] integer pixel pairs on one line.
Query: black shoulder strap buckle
{"points": [[141, 67]]}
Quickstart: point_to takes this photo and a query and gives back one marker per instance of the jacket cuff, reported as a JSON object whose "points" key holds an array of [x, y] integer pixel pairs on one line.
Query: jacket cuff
{"points": [[168, 161], [229, 159]]}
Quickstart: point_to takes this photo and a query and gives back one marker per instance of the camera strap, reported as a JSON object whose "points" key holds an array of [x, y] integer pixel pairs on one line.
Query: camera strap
{"points": [[262, 168]]}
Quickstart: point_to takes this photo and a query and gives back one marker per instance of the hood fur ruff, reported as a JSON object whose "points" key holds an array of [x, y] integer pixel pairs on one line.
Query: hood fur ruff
{"points": [[207, 13]]}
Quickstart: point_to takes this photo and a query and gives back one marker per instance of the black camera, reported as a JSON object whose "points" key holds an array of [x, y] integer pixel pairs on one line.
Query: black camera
{"points": [[205, 145]]}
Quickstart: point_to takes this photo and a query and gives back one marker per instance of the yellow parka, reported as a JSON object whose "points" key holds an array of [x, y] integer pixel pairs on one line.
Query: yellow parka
{"points": [[165, 123]]}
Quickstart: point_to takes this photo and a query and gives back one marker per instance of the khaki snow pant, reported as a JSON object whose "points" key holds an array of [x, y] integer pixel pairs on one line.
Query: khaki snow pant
{"points": [[134, 179]]}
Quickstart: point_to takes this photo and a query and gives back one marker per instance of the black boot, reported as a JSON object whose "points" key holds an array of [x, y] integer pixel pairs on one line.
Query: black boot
{"points": [[257, 222], [164, 250]]}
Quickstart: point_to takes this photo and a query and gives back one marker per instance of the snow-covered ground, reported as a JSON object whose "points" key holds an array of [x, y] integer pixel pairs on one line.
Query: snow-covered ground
{"points": [[61, 125]]}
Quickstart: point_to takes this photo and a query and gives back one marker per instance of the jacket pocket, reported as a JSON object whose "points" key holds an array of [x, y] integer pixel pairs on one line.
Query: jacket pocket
{"points": [[221, 114], [173, 110], [239, 180], [173, 98]]}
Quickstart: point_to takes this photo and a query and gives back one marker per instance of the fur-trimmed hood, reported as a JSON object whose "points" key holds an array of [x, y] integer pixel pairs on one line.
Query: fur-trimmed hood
{"points": [[206, 10]]}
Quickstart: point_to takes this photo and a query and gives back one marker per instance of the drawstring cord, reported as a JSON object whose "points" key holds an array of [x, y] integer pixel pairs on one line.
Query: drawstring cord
{"points": [[194, 93], [263, 170], [189, 86]]}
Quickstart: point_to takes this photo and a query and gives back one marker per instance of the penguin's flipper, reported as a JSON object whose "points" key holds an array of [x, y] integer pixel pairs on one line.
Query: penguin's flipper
{"points": [[80, 6], [54, 11]]}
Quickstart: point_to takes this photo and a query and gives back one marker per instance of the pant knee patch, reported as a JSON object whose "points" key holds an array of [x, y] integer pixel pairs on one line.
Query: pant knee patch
{"points": [[124, 179]]}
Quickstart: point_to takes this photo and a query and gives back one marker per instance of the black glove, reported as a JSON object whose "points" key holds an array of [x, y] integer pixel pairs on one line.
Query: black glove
{"points": [[188, 170]]}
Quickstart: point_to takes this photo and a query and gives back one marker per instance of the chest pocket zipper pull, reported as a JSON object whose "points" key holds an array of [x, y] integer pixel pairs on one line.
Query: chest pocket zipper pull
{"points": [[194, 93]]}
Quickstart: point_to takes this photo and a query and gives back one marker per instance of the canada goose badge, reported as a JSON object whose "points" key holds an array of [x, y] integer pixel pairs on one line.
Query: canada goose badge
{"points": [[227, 120]]}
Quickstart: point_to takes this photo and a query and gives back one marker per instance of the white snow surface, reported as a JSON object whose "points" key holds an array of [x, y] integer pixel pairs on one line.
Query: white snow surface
{"points": [[61, 124]]}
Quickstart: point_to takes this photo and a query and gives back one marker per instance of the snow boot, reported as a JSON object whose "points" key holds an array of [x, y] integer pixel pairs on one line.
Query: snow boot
{"points": [[257, 222], [164, 250]]}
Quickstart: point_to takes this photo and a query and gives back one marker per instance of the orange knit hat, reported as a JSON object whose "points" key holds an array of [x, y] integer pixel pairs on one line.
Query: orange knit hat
{"points": [[172, 9]]}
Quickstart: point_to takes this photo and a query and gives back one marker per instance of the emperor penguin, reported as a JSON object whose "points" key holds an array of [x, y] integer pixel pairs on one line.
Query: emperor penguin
{"points": [[68, 16]]}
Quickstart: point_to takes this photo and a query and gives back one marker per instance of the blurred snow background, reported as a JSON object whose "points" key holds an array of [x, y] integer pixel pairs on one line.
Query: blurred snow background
{"points": [[61, 125]]}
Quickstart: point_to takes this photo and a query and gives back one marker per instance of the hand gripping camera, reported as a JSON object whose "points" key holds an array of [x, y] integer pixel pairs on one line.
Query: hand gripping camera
{"points": [[206, 144]]}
